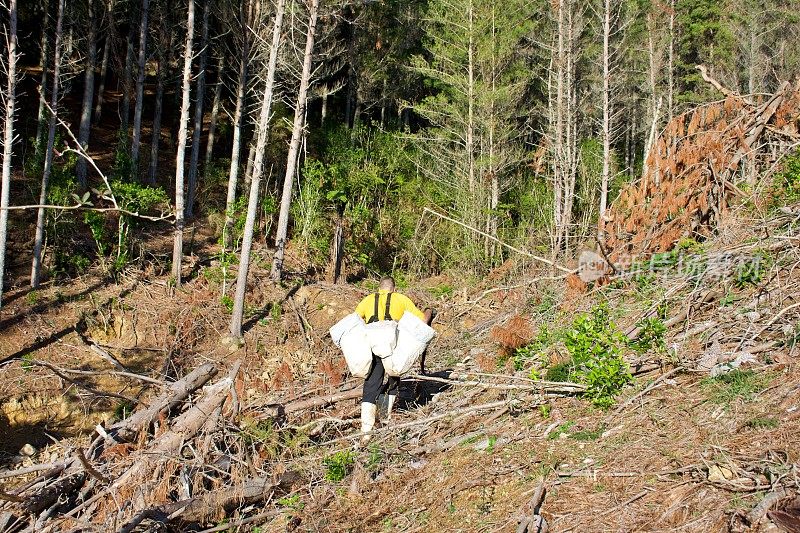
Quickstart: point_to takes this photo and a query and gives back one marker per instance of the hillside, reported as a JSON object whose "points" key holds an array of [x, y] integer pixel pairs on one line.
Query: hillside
{"points": [[702, 438]]}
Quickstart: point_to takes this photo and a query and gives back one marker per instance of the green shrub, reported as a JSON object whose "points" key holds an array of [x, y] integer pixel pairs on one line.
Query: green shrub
{"points": [[338, 465], [786, 188], [594, 344], [751, 271], [651, 335]]}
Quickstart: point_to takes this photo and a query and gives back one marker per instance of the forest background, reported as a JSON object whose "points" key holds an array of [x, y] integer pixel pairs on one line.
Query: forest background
{"points": [[348, 131]]}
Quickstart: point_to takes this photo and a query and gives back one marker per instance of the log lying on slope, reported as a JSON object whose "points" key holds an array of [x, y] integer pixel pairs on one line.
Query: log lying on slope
{"points": [[185, 427], [177, 392]]}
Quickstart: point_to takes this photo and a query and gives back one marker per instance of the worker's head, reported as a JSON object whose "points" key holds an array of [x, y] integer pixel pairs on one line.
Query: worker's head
{"points": [[387, 284]]}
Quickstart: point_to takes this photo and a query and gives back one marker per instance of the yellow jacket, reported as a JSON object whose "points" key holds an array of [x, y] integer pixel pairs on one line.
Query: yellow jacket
{"points": [[397, 306]]}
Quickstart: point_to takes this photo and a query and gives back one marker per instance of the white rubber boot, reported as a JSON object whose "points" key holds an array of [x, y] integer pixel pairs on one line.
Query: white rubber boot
{"points": [[389, 404], [368, 413]]}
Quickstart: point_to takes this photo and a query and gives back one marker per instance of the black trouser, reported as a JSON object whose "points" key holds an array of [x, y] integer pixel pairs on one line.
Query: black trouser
{"points": [[373, 385]]}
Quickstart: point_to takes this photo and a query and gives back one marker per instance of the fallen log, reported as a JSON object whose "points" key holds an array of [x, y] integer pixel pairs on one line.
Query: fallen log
{"points": [[199, 508], [49, 495], [281, 410], [128, 429], [184, 428]]}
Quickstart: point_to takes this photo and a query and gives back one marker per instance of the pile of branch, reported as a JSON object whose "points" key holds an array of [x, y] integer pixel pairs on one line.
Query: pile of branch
{"points": [[166, 463], [693, 168]]}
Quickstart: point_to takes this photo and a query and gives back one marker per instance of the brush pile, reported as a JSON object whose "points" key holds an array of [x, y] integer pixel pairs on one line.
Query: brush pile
{"points": [[697, 166]]}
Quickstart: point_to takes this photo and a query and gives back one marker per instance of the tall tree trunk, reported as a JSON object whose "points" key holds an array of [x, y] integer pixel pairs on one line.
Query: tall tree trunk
{"points": [[163, 67], [261, 145], [671, 62], [559, 161], [88, 95], [606, 119], [251, 157], [241, 91], [177, 249], [470, 133], [36, 267], [137, 112], [294, 145], [101, 91], [43, 84], [125, 114], [212, 127], [198, 114], [8, 135]]}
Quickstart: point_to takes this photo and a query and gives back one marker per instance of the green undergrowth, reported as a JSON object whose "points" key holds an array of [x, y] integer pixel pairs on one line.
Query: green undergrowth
{"points": [[735, 385]]}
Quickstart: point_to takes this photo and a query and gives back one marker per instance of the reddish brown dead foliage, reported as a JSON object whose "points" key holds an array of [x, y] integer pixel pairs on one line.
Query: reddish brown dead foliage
{"points": [[693, 168], [516, 333]]}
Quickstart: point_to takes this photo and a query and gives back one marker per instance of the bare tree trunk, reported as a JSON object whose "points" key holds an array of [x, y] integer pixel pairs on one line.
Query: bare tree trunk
{"points": [[43, 84], [126, 88], [198, 114], [137, 112], [163, 67], [606, 119], [261, 145], [559, 161], [241, 90], [36, 267], [98, 109], [470, 133], [671, 62], [251, 156], [177, 250], [212, 128], [88, 94], [294, 145], [8, 135]]}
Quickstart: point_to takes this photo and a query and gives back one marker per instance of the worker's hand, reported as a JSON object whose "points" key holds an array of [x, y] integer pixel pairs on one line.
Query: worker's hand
{"points": [[430, 314]]}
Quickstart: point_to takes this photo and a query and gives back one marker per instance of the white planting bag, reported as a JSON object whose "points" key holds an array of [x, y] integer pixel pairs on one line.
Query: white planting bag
{"points": [[350, 334], [413, 335], [382, 336]]}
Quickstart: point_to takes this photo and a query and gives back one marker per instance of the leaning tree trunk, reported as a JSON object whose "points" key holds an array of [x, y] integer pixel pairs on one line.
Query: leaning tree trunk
{"points": [[241, 90], [101, 90], [261, 145], [36, 267], [198, 114], [8, 134], [137, 111], [294, 145], [177, 250], [88, 95]]}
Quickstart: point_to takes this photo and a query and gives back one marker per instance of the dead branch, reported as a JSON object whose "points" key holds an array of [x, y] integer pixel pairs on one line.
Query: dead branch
{"points": [[83, 386], [501, 243], [647, 389], [543, 387]]}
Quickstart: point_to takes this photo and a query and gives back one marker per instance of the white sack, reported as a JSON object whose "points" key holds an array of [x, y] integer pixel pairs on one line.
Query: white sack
{"points": [[350, 335], [413, 336], [382, 336]]}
